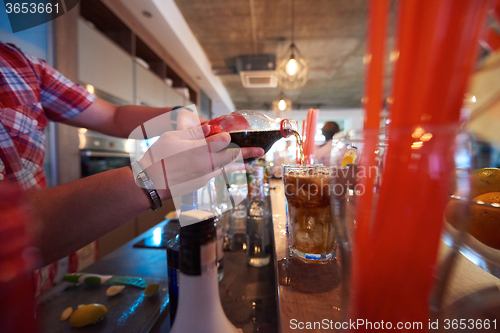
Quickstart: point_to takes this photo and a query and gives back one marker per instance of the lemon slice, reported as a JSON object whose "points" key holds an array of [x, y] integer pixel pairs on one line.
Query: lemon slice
{"points": [[172, 215], [87, 315], [349, 158], [151, 289], [66, 314]]}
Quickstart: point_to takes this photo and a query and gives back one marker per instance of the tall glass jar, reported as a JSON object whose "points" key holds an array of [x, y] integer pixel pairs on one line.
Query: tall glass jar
{"points": [[391, 235]]}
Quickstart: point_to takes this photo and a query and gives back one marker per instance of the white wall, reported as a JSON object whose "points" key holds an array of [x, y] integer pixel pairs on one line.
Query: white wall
{"points": [[110, 69]]}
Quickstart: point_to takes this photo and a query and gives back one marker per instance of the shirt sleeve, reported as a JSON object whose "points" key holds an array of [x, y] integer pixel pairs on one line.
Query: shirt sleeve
{"points": [[61, 99]]}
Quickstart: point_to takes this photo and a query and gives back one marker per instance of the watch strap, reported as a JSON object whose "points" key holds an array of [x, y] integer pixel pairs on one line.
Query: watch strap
{"points": [[143, 180]]}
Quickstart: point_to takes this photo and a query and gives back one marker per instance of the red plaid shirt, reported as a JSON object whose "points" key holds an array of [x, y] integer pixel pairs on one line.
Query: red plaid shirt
{"points": [[31, 94]]}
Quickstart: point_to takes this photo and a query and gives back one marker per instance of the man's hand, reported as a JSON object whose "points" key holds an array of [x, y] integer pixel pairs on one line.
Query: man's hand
{"points": [[187, 119], [180, 162]]}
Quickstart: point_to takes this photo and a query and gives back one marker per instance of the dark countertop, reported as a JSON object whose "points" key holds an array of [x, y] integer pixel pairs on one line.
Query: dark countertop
{"points": [[248, 294], [131, 261], [311, 292]]}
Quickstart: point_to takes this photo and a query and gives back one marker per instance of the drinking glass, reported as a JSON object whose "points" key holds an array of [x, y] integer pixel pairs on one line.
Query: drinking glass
{"points": [[482, 241], [307, 191], [394, 231]]}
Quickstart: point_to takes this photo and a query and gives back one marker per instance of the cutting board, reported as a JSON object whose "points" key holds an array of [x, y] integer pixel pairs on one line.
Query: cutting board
{"points": [[129, 312]]}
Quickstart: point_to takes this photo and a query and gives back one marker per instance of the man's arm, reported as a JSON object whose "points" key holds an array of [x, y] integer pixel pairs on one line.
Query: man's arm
{"points": [[77, 213], [115, 120]]}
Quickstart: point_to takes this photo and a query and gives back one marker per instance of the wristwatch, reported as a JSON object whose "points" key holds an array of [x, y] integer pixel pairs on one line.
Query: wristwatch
{"points": [[143, 180]]}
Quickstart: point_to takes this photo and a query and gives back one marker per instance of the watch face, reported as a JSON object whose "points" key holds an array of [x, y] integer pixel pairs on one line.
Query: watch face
{"points": [[142, 176], [145, 182]]}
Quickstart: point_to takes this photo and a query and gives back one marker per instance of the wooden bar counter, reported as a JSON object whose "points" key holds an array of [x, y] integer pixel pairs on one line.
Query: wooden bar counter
{"points": [[312, 292]]}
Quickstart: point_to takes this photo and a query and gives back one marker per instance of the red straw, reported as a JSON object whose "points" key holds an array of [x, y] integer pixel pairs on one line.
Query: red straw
{"points": [[306, 132], [312, 131], [491, 40], [306, 137], [437, 43], [377, 31], [496, 11], [312, 121]]}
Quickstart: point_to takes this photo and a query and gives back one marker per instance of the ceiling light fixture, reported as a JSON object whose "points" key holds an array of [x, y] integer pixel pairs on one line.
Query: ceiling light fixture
{"points": [[282, 106], [292, 70]]}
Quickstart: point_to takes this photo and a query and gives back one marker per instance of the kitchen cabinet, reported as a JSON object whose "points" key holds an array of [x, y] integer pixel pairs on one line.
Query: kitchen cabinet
{"points": [[103, 64], [172, 98], [149, 87], [117, 237]]}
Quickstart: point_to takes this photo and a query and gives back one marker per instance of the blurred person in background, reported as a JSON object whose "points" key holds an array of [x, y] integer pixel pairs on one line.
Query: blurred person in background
{"points": [[322, 155]]}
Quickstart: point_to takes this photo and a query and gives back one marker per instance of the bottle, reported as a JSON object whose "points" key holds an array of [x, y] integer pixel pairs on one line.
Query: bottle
{"points": [[173, 275], [236, 234], [188, 202], [199, 308], [237, 227], [254, 129], [172, 228], [208, 201], [223, 210], [267, 198], [170, 233], [258, 222]]}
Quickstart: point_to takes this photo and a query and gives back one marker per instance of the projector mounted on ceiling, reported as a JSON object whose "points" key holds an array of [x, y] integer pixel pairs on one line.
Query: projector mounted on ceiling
{"points": [[257, 71]]}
